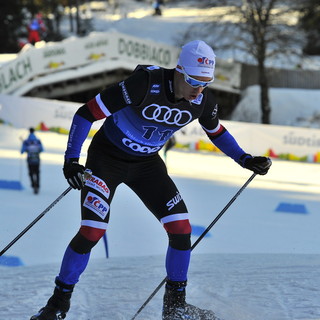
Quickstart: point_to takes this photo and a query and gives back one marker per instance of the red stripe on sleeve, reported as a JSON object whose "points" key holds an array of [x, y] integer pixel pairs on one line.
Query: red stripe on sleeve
{"points": [[95, 109], [216, 133]]}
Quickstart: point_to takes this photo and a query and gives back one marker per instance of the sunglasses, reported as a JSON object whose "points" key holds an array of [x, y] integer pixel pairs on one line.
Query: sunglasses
{"points": [[194, 83]]}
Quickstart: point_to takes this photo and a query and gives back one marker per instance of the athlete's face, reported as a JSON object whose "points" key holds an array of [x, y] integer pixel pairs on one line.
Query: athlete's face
{"points": [[184, 90]]}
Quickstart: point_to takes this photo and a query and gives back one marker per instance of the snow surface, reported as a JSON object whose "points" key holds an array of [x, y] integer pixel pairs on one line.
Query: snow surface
{"points": [[258, 263]]}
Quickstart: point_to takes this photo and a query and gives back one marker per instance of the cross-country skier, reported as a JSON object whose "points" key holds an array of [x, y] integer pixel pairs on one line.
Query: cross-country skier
{"points": [[33, 147], [141, 113]]}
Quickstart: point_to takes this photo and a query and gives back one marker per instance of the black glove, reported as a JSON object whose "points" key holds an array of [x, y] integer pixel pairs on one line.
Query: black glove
{"points": [[73, 172], [259, 165]]}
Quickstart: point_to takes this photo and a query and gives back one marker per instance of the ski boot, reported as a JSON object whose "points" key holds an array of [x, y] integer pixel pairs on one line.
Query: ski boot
{"points": [[176, 308], [58, 305]]}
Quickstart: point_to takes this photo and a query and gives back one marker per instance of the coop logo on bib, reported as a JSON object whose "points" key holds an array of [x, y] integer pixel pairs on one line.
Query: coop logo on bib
{"points": [[99, 185], [96, 205]]}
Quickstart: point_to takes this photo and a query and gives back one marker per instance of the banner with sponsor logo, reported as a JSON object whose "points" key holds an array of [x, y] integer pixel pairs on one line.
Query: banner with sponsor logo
{"points": [[26, 112], [290, 143], [74, 52], [69, 54], [284, 142]]}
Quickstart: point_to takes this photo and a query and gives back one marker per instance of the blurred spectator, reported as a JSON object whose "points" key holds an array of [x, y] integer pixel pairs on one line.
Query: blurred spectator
{"points": [[33, 147], [157, 7], [36, 29], [168, 145]]}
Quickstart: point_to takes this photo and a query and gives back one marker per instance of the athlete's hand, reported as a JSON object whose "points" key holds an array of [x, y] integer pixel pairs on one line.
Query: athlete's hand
{"points": [[74, 173], [259, 165]]}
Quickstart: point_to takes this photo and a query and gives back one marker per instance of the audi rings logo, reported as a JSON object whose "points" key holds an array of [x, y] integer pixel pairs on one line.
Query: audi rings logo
{"points": [[172, 116]]}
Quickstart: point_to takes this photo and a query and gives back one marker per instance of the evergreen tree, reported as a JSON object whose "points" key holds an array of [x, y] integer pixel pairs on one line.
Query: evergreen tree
{"points": [[11, 22], [310, 23]]}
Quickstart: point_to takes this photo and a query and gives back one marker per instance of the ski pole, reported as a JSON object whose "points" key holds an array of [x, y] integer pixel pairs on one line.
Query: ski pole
{"points": [[87, 175], [35, 221], [198, 240]]}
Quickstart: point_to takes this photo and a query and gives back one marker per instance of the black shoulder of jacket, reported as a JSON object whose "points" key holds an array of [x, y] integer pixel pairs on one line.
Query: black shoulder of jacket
{"points": [[148, 68]]}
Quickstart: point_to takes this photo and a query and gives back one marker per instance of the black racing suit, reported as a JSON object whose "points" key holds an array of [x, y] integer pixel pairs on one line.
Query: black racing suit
{"points": [[141, 115]]}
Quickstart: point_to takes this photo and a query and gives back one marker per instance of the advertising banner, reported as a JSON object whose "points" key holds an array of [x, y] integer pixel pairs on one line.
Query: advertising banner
{"points": [[52, 57], [75, 52], [284, 142]]}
